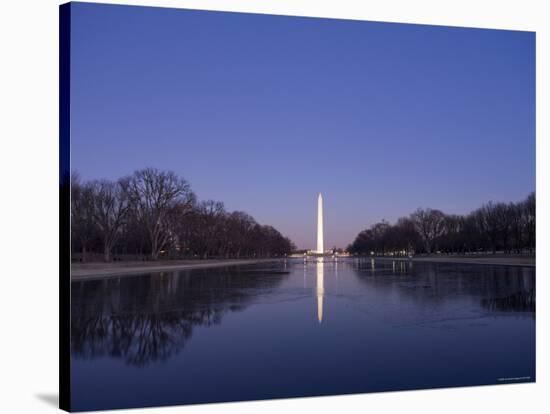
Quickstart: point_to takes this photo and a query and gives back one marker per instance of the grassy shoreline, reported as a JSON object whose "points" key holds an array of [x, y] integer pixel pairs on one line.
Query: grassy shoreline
{"points": [[98, 270]]}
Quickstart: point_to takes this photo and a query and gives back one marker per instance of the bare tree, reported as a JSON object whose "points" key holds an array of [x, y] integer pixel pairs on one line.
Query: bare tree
{"points": [[241, 226], [452, 237], [430, 224], [152, 195], [110, 211], [82, 219], [517, 225], [504, 214], [489, 222], [530, 207]]}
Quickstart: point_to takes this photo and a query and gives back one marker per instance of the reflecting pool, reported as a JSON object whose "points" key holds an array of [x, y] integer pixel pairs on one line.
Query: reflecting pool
{"points": [[290, 329]]}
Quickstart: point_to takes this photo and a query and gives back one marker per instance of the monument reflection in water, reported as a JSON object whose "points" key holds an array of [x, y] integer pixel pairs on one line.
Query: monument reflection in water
{"points": [[299, 329], [319, 260], [320, 289]]}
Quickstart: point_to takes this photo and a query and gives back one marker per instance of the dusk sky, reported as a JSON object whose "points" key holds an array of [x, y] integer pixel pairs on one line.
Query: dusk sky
{"points": [[264, 112]]}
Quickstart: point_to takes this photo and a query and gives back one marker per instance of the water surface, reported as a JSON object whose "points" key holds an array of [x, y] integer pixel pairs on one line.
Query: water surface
{"points": [[290, 329]]}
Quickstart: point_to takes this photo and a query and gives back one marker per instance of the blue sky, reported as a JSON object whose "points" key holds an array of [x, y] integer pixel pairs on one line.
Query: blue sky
{"points": [[263, 112]]}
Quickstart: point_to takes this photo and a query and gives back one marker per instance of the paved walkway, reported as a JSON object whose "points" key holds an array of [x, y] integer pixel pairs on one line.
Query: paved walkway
{"points": [[85, 271]]}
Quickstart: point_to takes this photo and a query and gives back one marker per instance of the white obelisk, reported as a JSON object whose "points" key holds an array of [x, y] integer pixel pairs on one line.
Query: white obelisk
{"points": [[320, 244]]}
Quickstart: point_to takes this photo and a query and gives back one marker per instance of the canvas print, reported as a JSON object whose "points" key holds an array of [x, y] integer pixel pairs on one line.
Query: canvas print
{"points": [[259, 206]]}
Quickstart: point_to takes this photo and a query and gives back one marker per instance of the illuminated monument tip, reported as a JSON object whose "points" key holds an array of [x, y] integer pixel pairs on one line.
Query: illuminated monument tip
{"points": [[320, 244]]}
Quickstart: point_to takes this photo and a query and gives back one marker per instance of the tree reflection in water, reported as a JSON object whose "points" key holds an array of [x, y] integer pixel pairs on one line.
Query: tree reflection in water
{"points": [[523, 301], [149, 318], [499, 288]]}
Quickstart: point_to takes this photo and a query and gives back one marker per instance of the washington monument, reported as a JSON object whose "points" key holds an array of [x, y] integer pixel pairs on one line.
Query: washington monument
{"points": [[320, 244]]}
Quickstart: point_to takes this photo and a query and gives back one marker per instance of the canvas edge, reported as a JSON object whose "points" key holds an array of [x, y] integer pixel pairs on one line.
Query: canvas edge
{"points": [[64, 208]]}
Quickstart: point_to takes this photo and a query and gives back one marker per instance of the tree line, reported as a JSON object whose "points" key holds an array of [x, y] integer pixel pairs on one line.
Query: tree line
{"points": [[502, 227], [154, 213]]}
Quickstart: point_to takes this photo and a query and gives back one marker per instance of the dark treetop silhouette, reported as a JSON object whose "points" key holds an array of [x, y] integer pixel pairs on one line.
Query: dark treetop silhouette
{"points": [[508, 227], [154, 213]]}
